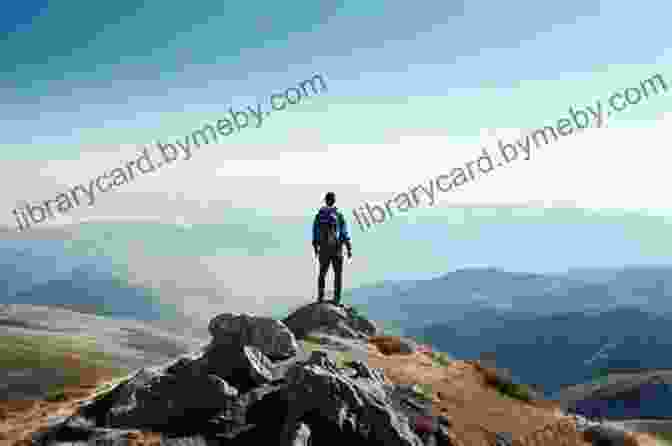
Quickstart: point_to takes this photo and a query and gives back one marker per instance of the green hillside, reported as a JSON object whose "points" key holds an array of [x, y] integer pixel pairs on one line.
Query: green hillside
{"points": [[44, 353]]}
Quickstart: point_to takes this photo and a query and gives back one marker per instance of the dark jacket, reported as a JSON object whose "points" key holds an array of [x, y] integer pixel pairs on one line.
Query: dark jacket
{"points": [[341, 230]]}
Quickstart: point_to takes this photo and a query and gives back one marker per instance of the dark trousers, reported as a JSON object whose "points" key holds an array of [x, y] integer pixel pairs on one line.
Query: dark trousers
{"points": [[336, 261]]}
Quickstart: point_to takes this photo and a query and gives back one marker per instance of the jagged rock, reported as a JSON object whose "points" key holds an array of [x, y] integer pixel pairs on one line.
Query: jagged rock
{"points": [[230, 393], [301, 436], [445, 420], [196, 440], [605, 435], [330, 319], [153, 398], [244, 367], [192, 365], [280, 368], [329, 341], [432, 429], [358, 408], [503, 439], [258, 365], [73, 437], [429, 440], [443, 436], [405, 399], [270, 336], [78, 422]]}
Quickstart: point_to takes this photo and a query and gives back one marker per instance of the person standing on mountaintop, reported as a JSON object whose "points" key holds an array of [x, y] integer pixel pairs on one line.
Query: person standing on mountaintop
{"points": [[330, 233]]}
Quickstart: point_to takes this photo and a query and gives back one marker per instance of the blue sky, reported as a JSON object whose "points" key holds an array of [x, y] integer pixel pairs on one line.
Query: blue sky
{"points": [[414, 89]]}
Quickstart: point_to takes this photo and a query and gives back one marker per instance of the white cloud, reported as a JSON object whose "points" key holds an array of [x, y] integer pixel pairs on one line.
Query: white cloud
{"points": [[597, 168]]}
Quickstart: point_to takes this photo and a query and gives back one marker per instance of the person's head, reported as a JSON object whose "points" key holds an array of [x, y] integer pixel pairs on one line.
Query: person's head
{"points": [[330, 198]]}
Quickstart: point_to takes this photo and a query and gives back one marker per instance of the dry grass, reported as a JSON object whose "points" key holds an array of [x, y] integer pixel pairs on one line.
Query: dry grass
{"points": [[388, 345], [20, 418], [478, 411]]}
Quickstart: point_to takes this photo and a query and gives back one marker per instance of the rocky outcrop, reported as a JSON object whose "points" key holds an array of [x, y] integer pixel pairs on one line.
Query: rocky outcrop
{"points": [[358, 405], [330, 319], [609, 436], [232, 394], [243, 366], [270, 336], [155, 399], [603, 433]]}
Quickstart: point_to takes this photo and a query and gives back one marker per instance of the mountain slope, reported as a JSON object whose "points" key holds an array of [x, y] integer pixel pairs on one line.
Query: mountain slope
{"points": [[558, 349], [446, 298], [29, 335]]}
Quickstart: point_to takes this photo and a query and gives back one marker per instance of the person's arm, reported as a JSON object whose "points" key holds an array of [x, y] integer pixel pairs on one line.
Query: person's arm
{"points": [[345, 236], [316, 234]]}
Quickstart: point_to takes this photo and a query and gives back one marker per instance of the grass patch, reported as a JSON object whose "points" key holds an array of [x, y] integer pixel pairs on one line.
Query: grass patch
{"points": [[340, 358], [106, 388], [313, 339], [424, 391], [517, 391], [55, 396], [506, 387], [52, 352], [664, 437], [441, 359], [25, 352]]}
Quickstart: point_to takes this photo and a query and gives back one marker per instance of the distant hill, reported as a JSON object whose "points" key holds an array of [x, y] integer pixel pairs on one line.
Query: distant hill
{"points": [[549, 329], [45, 272], [645, 393], [558, 349], [445, 298], [87, 291], [36, 340]]}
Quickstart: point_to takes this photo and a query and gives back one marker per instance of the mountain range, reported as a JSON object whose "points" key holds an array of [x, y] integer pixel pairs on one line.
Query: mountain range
{"points": [[548, 329]]}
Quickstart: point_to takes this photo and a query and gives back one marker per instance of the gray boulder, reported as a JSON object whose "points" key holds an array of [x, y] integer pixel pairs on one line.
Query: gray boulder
{"points": [[359, 406], [407, 346], [504, 439], [301, 436], [270, 336], [606, 435], [188, 365], [153, 398], [330, 319], [443, 436], [244, 367], [254, 384]]}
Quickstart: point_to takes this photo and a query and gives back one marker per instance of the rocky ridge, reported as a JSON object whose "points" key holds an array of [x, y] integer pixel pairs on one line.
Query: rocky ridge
{"points": [[257, 383], [254, 384]]}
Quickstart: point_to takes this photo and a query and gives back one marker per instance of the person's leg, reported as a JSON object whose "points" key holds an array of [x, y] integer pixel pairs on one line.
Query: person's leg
{"points": [[324, 267], [338, 278]]}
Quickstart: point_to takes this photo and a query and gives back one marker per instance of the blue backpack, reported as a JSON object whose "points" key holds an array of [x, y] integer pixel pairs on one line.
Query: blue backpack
{"points": [[328, 227]]}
